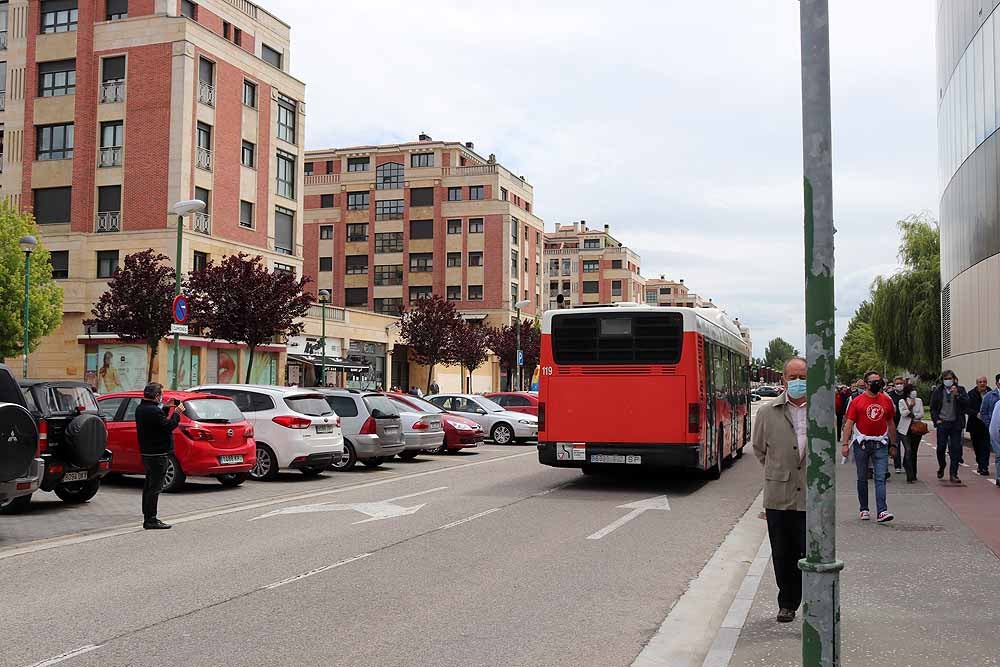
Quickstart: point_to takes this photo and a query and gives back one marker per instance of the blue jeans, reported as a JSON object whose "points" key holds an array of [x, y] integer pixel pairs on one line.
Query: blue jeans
{"points": [[996, 452], [878, 454], [949, 438]]}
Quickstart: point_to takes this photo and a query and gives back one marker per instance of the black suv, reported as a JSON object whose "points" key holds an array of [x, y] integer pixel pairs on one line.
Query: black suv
{"points": [[20, 467], [72, 436]]}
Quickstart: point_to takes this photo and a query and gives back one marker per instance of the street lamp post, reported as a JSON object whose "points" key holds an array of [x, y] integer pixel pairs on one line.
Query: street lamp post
{"points": [[324, 298], [181, 209], [27, 244], [517, 308]]}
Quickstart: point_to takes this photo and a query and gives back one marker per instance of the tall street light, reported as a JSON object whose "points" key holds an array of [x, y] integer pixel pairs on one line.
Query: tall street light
{"points": [[27, 244], [324, 298], [180, 209], [520, 356]]}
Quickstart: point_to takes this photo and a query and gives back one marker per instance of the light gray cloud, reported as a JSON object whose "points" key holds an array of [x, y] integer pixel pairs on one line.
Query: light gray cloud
{"points": [[677, 123]]}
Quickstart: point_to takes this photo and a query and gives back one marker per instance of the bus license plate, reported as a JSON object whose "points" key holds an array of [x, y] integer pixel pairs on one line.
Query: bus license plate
{"points": [[615, 458]]}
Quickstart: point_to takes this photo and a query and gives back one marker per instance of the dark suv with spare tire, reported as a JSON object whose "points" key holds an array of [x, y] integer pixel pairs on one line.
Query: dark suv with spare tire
{"points": [[72, 437], [20, 467]]}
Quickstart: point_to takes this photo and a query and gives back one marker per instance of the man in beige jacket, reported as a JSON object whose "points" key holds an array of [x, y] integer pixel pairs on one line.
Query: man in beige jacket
{"points": [[779, 441]]}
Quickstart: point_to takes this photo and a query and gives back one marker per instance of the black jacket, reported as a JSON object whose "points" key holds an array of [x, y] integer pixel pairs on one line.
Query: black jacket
{"points": [[961, 404], [154, 428], [975, 424], [896, 397]]}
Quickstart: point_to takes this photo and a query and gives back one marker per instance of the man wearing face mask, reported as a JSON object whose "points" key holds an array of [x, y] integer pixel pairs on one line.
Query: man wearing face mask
{"points": [[949, 403], [986, 410], [779, 442], [872, 431], [978, 431], [154, 426], [897, 394]]}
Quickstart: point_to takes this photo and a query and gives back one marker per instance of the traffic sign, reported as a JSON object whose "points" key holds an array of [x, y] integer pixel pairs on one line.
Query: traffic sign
{"points": [[179, 308], [520, 357], [178, 328]]}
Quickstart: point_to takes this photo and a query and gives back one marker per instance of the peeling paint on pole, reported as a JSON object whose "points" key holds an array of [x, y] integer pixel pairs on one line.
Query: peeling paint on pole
{"points": [[820, 567]]}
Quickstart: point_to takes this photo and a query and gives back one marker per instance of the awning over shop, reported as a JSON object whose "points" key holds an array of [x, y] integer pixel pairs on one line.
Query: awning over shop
{"points": [[330, 362], [474, 317]]}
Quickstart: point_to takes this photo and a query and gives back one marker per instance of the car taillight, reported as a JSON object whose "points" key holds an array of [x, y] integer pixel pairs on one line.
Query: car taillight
{"points": [[288, 421], [694, 417], [196, 433], [368, 428], [248, 433], [43, 437], [541, 416], [337, 421], [421, 426], [56, 469]]}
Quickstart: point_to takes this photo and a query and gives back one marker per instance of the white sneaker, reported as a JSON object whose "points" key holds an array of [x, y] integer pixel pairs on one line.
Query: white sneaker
{"points": [[865, 515]]}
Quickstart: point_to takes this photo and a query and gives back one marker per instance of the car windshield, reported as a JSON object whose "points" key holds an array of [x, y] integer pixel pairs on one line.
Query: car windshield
{"points": [[214, 410], [380, 406], [313, 405], [418, 404], [489, 405], [70, 399]]}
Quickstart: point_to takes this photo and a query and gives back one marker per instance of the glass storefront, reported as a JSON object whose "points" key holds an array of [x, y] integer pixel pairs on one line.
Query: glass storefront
{"points": [[368, 365]]}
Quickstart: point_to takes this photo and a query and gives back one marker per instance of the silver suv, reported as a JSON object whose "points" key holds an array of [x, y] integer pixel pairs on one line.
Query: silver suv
{"points": [[371, 427]]}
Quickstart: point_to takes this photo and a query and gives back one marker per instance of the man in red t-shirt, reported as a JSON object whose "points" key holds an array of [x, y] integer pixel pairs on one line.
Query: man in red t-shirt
{"points": [[871, 431]]}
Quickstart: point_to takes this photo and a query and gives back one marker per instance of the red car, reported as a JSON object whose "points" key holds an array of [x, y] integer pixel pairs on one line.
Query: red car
{"points": [[516, 401], [213, 439], [459, 432]]}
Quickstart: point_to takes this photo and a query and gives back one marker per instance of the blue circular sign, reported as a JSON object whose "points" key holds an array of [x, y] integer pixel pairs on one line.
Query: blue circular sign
{"points": [[180, 308]]}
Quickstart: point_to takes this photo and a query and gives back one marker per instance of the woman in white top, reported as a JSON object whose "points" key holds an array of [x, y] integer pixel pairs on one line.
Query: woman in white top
{"points": [[911, 409]]}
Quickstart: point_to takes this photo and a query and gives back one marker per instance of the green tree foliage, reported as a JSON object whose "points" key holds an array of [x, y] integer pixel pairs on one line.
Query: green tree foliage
{"points": [[906, 306], [778, 352], [45, 294]]}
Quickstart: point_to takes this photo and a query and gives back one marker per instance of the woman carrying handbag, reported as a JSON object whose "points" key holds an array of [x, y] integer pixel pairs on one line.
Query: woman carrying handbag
{"points": [[911, 429]]}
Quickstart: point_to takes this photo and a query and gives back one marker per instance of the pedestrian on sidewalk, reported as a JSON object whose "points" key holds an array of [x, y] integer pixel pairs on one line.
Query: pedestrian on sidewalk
{"points": [[990, 402], [154, 425], [949, 402], [978, 432], [897, 393], [871, 431], [995, 436], [910, 429], [779, 442]]}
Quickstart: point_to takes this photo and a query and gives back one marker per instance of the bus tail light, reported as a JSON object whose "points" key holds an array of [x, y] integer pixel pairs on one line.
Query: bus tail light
{"points": [[541, 416], [694, 417]]}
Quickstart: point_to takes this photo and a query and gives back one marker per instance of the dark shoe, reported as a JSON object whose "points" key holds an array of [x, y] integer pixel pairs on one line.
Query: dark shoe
{"points": [[954, 480], [984, 473], [785, 615], [155, 524], [940, 473]]}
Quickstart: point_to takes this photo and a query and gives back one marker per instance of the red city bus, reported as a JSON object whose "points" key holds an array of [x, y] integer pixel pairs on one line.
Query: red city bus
{"points": [[641, 385]]}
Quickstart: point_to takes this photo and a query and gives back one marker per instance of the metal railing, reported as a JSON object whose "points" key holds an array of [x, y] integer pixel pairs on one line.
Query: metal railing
{"points": [[206, 93], [203, 159], [110, 156], [109, 221], [112, 91], [201, 223], [322, 179]]}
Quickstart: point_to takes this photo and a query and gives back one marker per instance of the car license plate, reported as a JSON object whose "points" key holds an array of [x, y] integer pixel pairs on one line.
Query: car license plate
{"points": [[234, 458], [615, 458], [324, 428], [75, 476]]}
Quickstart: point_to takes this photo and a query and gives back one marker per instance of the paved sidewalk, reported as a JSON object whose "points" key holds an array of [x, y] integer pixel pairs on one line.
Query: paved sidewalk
{"points": [[919, 591]]}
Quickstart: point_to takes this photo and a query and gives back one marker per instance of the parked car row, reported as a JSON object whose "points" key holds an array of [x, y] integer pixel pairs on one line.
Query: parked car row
{"points": [[60, 437]]}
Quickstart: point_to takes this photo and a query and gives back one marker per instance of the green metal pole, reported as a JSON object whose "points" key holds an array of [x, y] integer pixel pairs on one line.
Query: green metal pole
{"points": [[177, 290], [322, 364], [27, 308], [517, 380], [820, 567]]}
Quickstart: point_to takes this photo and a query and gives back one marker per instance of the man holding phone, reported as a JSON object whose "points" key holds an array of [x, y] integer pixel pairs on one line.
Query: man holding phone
{"points": [[949, 403], [155, 424]]}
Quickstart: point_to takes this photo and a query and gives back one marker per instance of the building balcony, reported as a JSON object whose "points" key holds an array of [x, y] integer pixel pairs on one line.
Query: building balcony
{"points": [[322, 179], [203, 159], [113, 91], [109, 221], [474, 170], [206, 93], [110, 156], [201, 223]]}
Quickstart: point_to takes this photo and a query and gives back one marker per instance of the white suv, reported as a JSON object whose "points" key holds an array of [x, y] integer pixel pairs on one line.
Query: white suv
{"points": [[295, 428]]}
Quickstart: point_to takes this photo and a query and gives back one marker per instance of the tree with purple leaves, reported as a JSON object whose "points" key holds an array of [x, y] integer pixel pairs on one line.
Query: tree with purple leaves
{"points": [[429, 328], [471, 347], [503, 342], [136, 305], [239, 300]]}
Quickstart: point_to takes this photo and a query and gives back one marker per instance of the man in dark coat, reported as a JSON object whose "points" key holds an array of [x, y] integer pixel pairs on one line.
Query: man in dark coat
{"points": [[155, 424]]}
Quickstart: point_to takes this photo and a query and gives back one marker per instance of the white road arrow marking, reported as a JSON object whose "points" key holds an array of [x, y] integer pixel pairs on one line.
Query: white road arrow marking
{"points": [[638, 507], [376, 511]]}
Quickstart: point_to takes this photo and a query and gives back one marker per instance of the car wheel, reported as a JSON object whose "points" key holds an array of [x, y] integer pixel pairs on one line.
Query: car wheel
{"points": [[233, 479], [78, 492], [347, 460], [589, 470], [174, 477], [311, 471], [17, 505], [443, 449], [408, 454], [266, 467], [739, 454], [374, 463], [502, 434]]}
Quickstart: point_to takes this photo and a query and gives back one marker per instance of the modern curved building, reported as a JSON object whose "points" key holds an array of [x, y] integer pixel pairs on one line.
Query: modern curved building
{"points": [[968, 76]]}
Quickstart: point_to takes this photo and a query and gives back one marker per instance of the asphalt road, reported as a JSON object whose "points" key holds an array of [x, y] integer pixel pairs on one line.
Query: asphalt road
{"points": [[483, 559]]}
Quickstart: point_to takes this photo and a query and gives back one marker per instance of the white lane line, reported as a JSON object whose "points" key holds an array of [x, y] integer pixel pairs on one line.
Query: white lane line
{"points": [[638, 507], [414, 495], [689, 631], [310, 573], [724, 646], [66, 656], [54, 543], [468, 519], [615, 525]]}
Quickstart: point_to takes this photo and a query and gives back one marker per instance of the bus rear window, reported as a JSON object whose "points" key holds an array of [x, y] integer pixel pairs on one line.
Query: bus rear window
{"points": [[626, 338]]}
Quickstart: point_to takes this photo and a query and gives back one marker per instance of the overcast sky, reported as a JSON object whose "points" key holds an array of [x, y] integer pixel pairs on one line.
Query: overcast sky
{"points": [[675, 122]]}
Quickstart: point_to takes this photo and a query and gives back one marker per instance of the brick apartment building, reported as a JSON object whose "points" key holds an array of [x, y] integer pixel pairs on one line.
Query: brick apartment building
{"points": [[589, 266], [663, 292], [116, 109], [388, 225]]}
